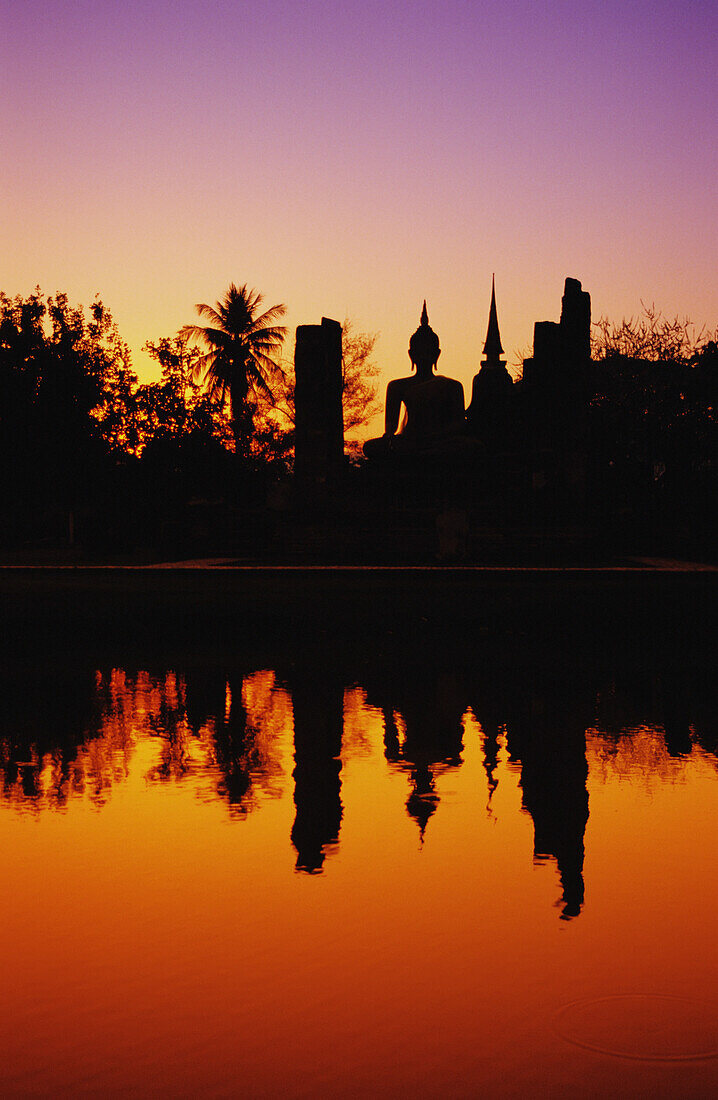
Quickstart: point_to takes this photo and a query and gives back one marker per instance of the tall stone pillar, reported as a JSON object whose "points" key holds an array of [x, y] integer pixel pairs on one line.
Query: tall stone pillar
{"points": [[319, 422], [576, 324]]}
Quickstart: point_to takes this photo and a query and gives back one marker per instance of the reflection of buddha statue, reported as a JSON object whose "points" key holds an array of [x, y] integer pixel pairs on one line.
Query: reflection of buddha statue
{"points": [[434, 404], [432, 709]]}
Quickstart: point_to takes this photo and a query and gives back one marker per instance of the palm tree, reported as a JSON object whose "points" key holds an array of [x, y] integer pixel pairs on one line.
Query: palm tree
{"points": [[241, 344]]}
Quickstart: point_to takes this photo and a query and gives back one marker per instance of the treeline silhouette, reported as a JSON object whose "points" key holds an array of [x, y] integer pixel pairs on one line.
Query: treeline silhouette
{"points": [[93, 457], [199, 462], [653, 420], [67, 731]]}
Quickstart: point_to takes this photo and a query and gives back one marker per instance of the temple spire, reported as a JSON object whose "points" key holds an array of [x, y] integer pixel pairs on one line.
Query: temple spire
{"points": [[492, 347]]}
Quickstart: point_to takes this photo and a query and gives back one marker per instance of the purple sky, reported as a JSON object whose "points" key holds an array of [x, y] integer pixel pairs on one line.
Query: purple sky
{"points": [[355, 158]]}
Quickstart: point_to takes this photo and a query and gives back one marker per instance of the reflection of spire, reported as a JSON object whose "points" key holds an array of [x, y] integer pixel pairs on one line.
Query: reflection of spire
{"points": [[492, 347], [491, 759], [392, 748]]}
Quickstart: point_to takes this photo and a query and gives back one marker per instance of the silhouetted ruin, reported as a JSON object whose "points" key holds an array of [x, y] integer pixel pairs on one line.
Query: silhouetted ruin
{"points": [[575, 459], [542, 413], [562, 351], [319, 426], [491, 392], [578, 459]]}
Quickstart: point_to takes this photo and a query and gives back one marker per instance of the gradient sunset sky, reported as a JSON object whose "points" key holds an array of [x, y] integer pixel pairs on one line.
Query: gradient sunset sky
{"points": [[355, 158]]}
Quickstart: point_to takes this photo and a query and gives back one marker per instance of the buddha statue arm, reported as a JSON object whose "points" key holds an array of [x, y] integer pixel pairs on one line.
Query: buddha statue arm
{"points": [[393, 408], [458, 411], [474, 397]]}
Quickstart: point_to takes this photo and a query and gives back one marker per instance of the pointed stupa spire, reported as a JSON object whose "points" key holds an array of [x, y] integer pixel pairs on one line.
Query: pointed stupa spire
{"points": [[424, 342], [492, 347]]}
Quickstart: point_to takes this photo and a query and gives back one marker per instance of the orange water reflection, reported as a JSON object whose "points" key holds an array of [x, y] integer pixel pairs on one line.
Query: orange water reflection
{"points": [[311, 879]]}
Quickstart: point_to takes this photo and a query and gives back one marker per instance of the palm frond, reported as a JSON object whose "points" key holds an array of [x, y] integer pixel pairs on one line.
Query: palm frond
{"points": [[214, 338], [210, 313], [258, 381], [266, 319], [268, 338], [202, 369], [241, 345]]}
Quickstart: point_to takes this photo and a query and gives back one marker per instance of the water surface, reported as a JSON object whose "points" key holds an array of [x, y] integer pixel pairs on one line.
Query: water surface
{"points": [[397, 872]]}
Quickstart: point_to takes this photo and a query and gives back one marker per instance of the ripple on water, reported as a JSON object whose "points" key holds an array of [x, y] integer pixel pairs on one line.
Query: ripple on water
{"points": [[642, 1026]]}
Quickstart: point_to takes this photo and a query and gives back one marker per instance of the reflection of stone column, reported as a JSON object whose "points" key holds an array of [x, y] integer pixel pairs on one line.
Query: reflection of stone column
{"points": [[319, 425], [318, 727]]}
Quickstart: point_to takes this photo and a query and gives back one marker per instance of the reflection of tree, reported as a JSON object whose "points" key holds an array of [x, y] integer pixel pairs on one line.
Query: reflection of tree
{"points": [[45, 719], [244, 714], [221, 729], [75, 733], [234, 746], [651, 717], [703, 695]]}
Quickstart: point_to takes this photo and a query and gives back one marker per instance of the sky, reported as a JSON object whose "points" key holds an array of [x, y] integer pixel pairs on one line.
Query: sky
{"points": [[352, 159]]}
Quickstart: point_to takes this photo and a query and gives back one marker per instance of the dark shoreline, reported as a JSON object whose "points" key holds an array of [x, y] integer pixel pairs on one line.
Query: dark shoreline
{"points": [[228, 603]]}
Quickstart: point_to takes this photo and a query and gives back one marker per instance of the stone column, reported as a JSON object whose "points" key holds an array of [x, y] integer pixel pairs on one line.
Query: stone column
{"points": [[319, 423]]}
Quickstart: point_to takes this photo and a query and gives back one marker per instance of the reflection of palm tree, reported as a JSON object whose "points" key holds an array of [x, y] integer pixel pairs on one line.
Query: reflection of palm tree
{"points": [[241, 344]]}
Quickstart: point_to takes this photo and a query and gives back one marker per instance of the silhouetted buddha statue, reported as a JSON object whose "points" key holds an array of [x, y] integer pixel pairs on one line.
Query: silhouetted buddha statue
{"points": [[434, 404]]}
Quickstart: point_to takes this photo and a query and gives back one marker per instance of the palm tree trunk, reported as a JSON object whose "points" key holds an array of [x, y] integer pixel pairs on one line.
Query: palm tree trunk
{"points": [[241, 417]]}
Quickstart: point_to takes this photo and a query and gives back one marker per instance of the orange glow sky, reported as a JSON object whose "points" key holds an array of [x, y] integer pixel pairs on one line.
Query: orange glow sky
{"points": [[356, 159]]}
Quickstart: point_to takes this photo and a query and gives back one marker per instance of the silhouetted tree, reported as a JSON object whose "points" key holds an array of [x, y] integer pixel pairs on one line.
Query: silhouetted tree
{"points": [[654, 422], [239, 361], [178, 405], [649, 336], [62, 368], [359, 376], [652, 373], [66, 386]]}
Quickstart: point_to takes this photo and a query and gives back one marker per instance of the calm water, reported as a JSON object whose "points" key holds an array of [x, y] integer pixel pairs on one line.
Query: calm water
{"points": [[394, 874]]}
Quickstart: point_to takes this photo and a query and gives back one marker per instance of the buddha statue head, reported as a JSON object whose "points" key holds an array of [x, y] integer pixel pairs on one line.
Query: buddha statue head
{"points": [[424, 347]]}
